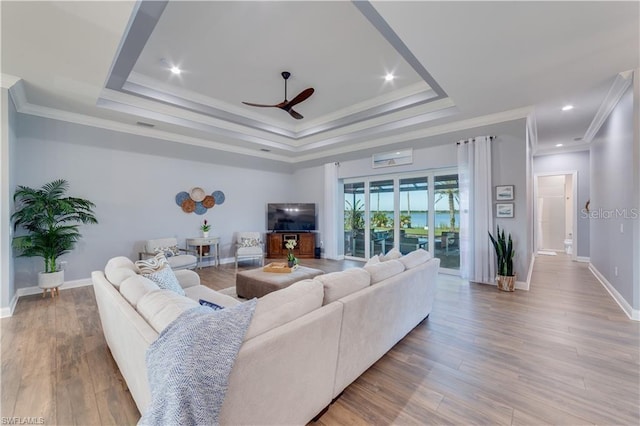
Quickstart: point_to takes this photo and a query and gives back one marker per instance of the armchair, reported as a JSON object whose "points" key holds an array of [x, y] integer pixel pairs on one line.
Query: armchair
{"points": [[178, 258], [249, 246]]}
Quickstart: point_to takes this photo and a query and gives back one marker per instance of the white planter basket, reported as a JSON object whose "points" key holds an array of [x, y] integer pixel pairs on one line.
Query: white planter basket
{"points": [[49, 280]]}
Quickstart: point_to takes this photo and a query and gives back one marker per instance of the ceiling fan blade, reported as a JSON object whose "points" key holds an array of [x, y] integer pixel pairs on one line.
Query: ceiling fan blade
{"points": [[302, 96], [261, 105], [295, 115]]}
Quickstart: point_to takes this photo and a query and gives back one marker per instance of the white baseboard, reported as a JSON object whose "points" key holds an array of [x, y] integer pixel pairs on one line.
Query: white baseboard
{"points": [[584, 259], [633, 314], [527, 284], [8, 310], [28, 291]]}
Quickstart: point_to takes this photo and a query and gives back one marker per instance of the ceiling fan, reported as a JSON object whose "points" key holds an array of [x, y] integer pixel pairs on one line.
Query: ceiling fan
{"points": [[287, 105]]}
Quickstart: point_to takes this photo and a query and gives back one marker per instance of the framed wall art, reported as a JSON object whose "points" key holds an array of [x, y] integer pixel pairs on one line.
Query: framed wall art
{"points": [[504, 193], [504, 210]]}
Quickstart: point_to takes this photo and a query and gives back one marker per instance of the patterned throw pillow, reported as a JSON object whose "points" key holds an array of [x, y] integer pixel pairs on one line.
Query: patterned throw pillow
{"points": [[249, 242], [211, 305], [168, 251], [166, 279], [149, 266]]}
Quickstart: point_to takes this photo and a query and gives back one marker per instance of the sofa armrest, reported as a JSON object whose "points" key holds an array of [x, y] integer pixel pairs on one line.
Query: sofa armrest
{"points": [[189, 251], [144, 255], [187, 278]]}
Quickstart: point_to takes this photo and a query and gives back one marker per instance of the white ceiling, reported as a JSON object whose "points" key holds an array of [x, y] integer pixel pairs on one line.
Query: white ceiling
{"points": [[459, 65]]}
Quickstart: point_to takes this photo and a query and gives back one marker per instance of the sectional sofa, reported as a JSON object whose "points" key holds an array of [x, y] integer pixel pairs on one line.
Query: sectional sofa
{"points": [[305, 344]]}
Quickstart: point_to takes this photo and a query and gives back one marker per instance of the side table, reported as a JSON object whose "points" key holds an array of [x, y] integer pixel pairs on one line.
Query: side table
{"points": [[198, 242]]}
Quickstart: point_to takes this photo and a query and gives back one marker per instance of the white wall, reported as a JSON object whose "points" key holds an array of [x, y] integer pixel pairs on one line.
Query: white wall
{"points": [[613, 192], [134, 192], [564, 162], [7, 172]]}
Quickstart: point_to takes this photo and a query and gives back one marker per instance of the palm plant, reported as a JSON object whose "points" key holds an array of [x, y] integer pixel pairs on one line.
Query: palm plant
{"points": [[504, 253], [51, 221]]}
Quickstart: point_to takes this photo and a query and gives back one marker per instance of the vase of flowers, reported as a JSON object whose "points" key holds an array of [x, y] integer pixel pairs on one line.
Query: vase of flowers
{"points": [[205, 227], [291, 259]]}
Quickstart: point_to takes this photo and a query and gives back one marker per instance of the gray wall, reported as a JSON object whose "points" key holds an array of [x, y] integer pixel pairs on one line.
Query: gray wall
{"points": [[7, 177], [134, 191], [613, 191], [569, 161], [307, 186], [509, 167]]}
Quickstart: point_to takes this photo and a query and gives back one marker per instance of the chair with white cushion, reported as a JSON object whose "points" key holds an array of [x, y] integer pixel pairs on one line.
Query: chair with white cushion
{"points": [[249, 246], [177, 257]]}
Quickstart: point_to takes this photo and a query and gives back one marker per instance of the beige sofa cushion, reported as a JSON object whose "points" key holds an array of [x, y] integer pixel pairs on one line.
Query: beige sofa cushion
{"points": [[201, 292], [384, 270], [340, 284], [119, 269], [394, 253], [283, 306], [415, 258], [159, 308], [133, 288]]}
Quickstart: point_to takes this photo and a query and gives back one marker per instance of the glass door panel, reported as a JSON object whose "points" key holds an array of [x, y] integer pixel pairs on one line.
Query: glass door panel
{"points": [[447, 221], [381, 215], [414, 214], [354, 208]]}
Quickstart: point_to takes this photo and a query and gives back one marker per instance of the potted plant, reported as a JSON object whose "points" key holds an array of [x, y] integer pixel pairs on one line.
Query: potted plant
{"points": [[504, 253], [51, 220], [291, 259], [205, 227]]}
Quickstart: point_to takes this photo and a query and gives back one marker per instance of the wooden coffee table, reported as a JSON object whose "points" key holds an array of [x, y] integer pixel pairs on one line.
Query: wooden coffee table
{"points": [[257, 283]]}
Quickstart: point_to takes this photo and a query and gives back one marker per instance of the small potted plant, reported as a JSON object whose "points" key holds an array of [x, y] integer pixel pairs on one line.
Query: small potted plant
{"points": [[51, 221], [291, 259], [205, 227], [504, 255]]}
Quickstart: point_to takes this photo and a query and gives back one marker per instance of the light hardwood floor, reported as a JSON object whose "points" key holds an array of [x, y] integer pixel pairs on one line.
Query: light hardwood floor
{"points": [[562, 353]]}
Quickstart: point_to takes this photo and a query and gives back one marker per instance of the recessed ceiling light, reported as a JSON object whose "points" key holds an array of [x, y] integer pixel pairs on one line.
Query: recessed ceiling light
{"points": [[558, 145], [175, 70], [389, 77], [567, 107]]}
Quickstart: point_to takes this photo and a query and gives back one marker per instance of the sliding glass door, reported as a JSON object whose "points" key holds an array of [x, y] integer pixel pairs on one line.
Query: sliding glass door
{"points": [[414, 214], [409, 211], [447, 235]]}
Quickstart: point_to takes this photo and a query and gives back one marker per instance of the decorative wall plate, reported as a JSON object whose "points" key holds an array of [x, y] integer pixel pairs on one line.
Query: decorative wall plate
{"points": [[197, 194]]}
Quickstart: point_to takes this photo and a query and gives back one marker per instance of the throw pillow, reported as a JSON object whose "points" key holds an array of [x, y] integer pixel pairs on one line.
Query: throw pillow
{"points": [[149, 266], [211, 305], [166, 279], [168, 251], [374, 259], [249, 242], [394, 253]]}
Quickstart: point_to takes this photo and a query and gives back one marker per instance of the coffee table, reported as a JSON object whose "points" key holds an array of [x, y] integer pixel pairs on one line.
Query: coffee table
{"points": [[257, 283]]}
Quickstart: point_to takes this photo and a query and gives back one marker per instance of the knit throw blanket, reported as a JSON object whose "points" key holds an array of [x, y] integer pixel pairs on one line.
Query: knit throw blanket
{"points": [[190, 363]]}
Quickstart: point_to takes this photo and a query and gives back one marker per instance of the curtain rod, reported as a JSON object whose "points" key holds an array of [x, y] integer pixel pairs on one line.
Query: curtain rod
{"points": [[474, 139]]}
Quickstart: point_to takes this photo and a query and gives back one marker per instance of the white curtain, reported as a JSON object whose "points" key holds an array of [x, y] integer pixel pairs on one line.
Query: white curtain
{"points": [[476, 209]]}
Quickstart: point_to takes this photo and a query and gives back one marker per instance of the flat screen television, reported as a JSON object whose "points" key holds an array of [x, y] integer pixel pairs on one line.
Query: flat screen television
{"points": [[298, 217]]}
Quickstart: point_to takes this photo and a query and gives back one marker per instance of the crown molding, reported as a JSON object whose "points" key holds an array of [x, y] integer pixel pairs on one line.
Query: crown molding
{"points": [[420, 134], [8, 81], [24, 107], [617, 89]]}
